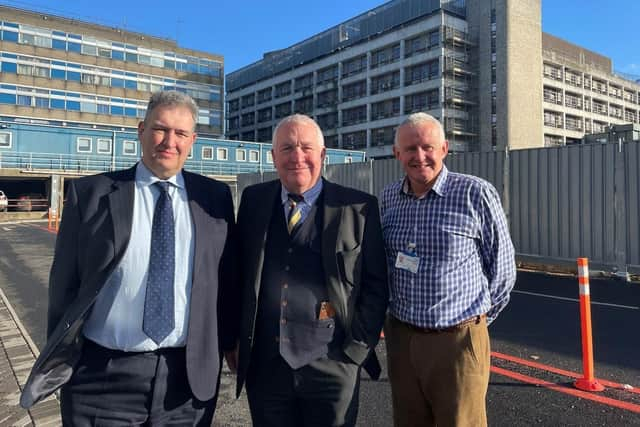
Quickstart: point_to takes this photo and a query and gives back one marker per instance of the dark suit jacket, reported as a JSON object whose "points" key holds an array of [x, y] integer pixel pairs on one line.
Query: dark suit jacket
{"points": [[93, 236], [353, 258]]}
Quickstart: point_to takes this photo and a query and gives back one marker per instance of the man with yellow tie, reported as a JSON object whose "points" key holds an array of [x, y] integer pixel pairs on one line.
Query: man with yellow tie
{"points": [[312, 269]]}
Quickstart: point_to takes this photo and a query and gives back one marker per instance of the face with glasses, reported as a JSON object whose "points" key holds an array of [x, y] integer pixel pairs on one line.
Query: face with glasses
{"points": [[166, 136], [298, 156]]}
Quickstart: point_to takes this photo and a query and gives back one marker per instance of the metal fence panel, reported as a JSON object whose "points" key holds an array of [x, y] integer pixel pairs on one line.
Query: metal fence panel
{"points": [[384, 173], [561, 202], [632, 211], [355, 175]]}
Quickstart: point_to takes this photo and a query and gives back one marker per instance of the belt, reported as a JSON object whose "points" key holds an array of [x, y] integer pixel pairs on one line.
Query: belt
{"points": [[97, 349], [475, 320]]}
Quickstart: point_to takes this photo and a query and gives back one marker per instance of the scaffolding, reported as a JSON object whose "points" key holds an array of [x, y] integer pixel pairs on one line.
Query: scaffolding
{"points": [[460, 94]]}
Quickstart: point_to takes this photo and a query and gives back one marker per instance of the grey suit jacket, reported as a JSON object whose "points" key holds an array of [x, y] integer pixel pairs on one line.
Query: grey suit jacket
{"points": [[353, 258], [93, 236]]}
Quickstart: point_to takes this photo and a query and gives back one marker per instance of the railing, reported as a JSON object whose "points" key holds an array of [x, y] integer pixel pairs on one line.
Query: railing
{"points": [[79, 164]]}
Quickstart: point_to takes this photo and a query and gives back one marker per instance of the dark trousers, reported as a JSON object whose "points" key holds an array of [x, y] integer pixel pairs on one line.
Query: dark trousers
{"points": [[116, 388], [323, 393]]}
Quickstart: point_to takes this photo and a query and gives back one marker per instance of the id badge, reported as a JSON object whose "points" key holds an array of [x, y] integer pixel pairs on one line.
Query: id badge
{"points": [[407, 261]]}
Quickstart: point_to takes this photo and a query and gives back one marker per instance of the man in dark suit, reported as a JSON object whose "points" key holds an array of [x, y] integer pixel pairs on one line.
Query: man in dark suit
{"points": [[314, 288], [134, 330]]}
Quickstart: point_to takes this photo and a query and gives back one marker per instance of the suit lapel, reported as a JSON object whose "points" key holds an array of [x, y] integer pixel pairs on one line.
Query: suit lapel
{"points": [[121, 208], [199, 225], [260, 229], [331, 227]]}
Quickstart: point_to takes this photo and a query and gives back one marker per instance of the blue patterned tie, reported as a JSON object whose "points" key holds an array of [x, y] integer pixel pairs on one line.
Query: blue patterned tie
{"points": [[158, 321]]}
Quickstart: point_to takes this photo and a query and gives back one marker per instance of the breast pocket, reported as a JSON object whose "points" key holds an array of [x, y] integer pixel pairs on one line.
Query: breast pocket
{"points": [[457, 239]]}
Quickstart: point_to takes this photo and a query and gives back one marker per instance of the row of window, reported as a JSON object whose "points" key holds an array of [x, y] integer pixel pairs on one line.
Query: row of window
{"points": [[419, 101], [84, 145], [86, 45], [51, 69], [87, 103], [585, 81], [577, 123], [414, 74]]}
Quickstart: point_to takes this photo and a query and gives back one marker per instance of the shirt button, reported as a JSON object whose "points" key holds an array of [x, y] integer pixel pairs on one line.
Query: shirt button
{"points": [[290, 250], [283, 321], [284, 303], [286, 268], [285, 286]]}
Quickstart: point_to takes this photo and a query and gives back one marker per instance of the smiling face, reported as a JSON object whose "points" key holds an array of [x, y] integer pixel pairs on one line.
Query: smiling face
{"points": [[166, 137], [421, 149], [298, 156]]}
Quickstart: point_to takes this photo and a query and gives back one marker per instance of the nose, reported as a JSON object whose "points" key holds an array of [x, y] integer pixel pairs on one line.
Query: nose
{"points": [[170, 138], [297, 153]]}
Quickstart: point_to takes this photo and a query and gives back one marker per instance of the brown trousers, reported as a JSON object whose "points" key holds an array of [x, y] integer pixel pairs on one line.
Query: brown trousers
{"points": [[438, 378]]}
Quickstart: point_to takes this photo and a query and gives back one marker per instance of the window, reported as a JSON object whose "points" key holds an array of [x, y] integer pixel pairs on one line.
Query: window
{"points": [[5, 140], [104, 145], [328, 74], [269, 157], [354, 115], [421, 72], [241, 155], [207, 153], [385, 55], [348, 159], [83, 145], [354, 140], [221, 154], [304, 82], [354, 66], [327, 98], [386, 108], [328, 120], [254, 156], [283, 89], [354, 90], [129, 148], [385, 82]]}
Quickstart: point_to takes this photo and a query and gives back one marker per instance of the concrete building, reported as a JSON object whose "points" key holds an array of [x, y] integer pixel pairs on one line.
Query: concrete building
{"points": [[62, 71], [481, 66], [582, 94]]}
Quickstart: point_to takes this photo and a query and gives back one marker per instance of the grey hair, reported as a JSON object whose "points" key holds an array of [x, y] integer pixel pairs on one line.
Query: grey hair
{"points": [[419, 118], [172, 98], [298, 119]]}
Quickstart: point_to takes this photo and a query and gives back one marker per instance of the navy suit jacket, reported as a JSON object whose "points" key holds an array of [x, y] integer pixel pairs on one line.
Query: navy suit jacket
{"points": [[94, 233]]}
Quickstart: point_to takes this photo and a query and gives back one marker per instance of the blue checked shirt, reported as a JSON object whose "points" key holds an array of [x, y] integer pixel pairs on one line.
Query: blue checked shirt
{"points": [[466, 259]]}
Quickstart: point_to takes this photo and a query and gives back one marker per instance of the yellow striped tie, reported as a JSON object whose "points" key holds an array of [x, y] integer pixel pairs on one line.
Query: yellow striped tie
{"points": [[295, 213]]}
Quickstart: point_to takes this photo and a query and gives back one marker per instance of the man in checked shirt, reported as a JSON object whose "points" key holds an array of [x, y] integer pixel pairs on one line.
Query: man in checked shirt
{"points": [[451, 269]]}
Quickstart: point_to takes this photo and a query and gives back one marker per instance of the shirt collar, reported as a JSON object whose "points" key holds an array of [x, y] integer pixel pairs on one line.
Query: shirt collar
{"points": [[310, 196], [439, 187], [145, 177]]}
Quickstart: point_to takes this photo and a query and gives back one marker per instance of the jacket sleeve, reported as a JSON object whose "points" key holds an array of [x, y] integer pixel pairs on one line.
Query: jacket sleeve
{"points": [[64, 278], [373, 294], [229, 296]]}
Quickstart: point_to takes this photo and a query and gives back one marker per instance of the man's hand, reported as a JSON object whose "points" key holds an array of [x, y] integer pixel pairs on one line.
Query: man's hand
{"points": [[232, 359]]}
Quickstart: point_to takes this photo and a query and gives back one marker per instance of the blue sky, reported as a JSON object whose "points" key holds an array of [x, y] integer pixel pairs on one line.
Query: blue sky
{"points": [[242, 31]]}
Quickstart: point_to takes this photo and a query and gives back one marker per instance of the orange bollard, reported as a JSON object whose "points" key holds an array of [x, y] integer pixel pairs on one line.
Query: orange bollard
{"points": [[588, 381], [49, 218]]}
